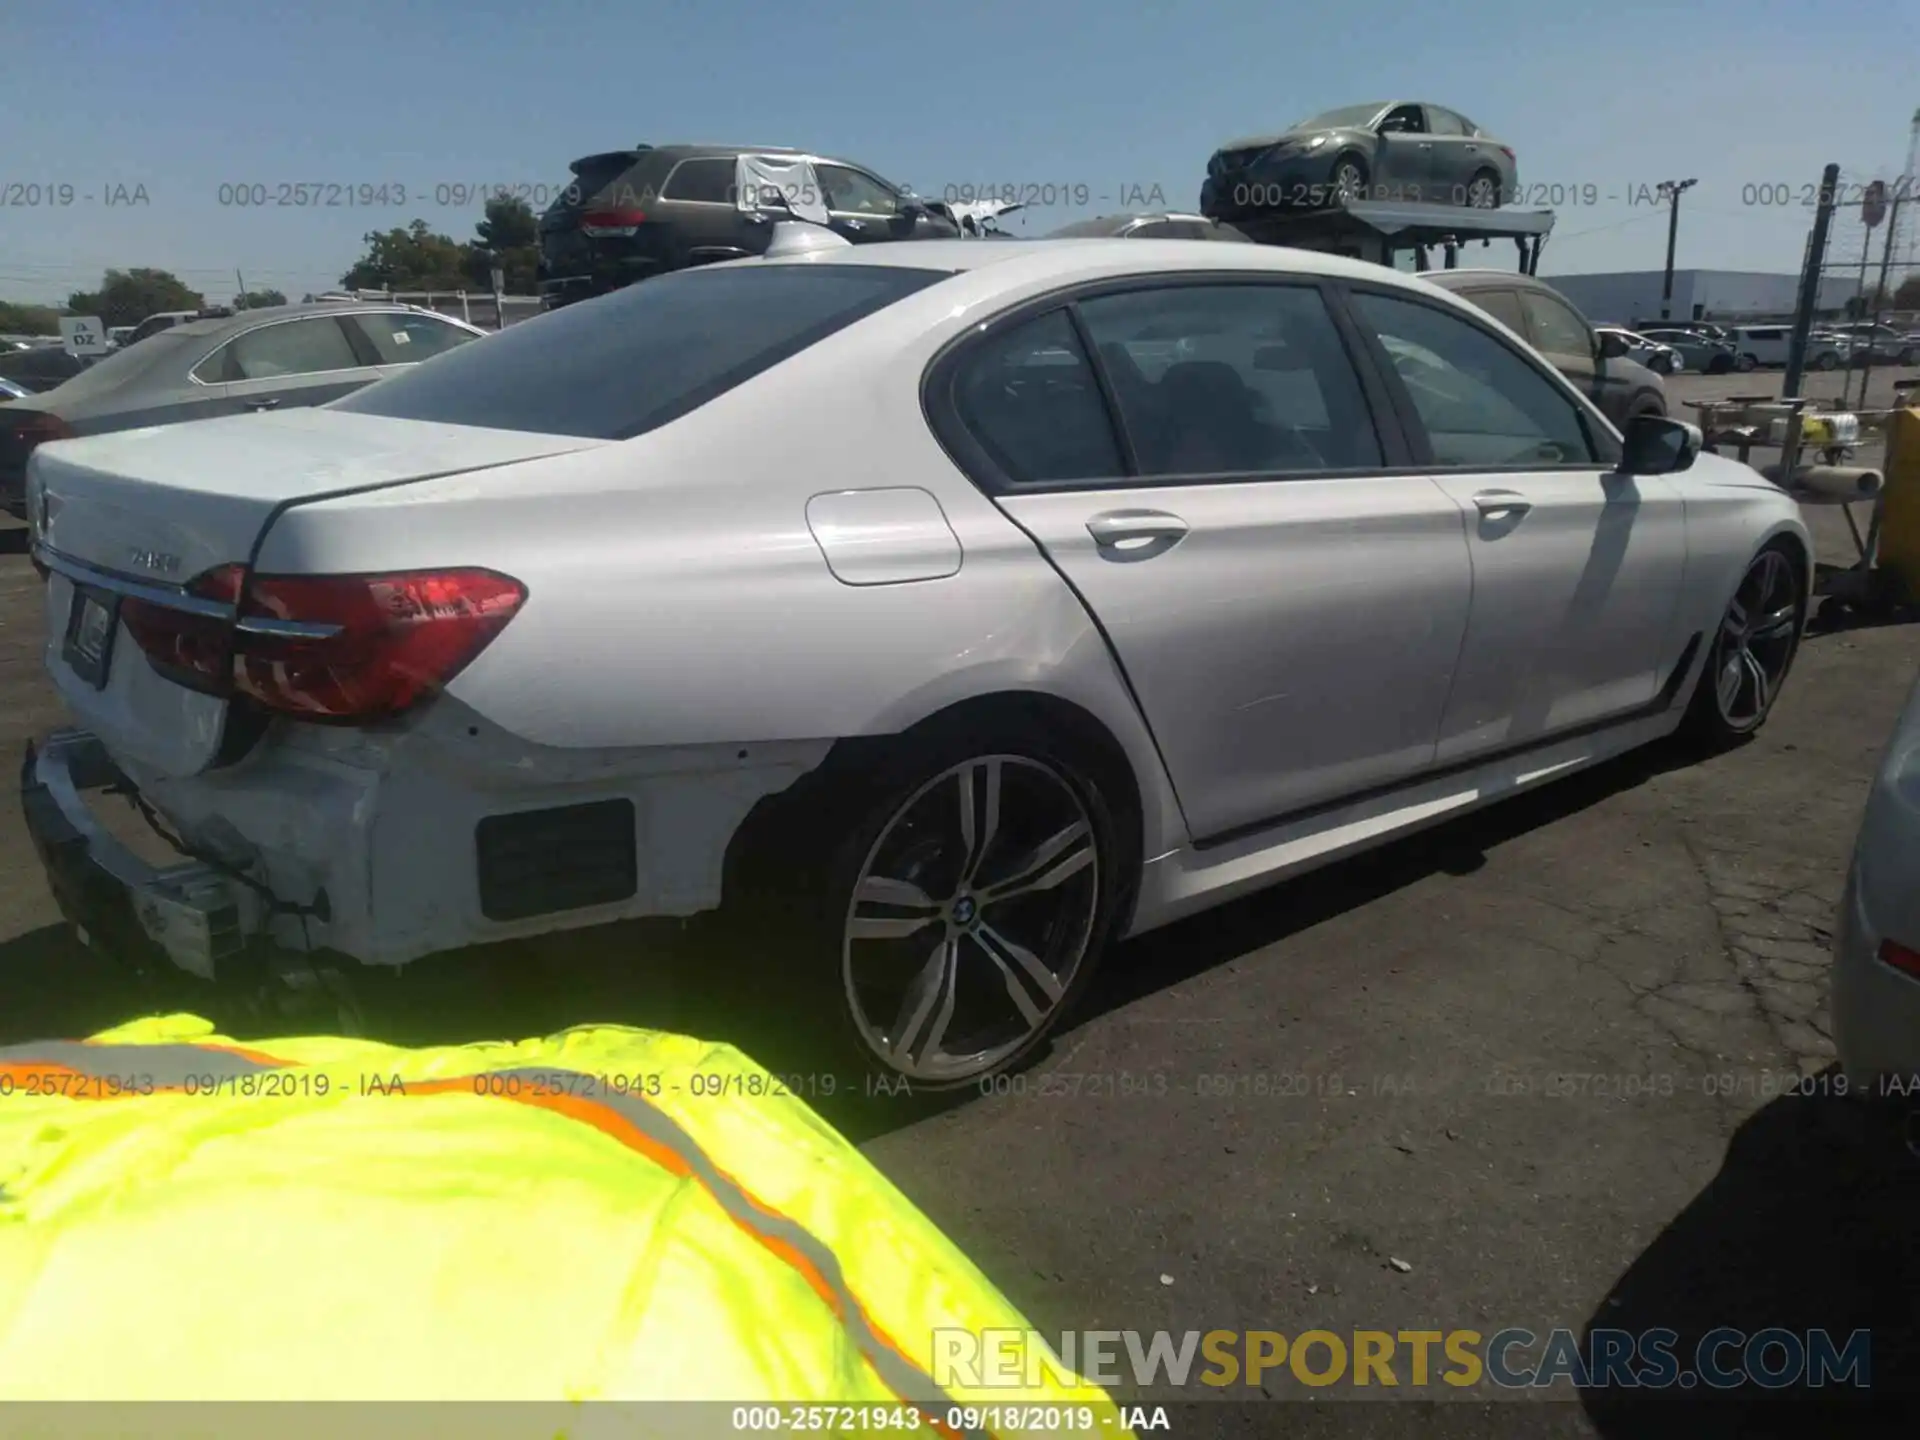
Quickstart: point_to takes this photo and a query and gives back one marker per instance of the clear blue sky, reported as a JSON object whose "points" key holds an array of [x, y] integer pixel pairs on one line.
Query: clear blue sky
{"points": [[180, 97]]}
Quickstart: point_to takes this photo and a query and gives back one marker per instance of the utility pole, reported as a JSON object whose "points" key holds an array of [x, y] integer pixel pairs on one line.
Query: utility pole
{"points": [[1671, 191], [1810, 282]]}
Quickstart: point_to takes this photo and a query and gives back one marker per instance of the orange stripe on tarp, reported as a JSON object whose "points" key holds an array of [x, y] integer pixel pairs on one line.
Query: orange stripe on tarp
{"points": [[603, 1118], [612, 1123]]}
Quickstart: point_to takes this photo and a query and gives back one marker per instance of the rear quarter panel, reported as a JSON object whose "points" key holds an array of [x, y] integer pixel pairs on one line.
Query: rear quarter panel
{"points": [[676, 595]]}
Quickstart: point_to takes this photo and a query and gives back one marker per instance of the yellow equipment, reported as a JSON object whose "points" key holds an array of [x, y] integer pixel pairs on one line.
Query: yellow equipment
{"points": [[1899, 556], [604, 1214]]}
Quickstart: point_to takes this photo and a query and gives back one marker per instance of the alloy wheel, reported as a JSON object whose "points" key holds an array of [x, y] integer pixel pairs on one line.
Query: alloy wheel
{"points": [[1756, 642], [970, 918], [1483, 193], [1348, 181]]}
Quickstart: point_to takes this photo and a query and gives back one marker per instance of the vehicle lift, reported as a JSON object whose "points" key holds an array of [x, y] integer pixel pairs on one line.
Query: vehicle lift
{"points": [[1382, 230]]}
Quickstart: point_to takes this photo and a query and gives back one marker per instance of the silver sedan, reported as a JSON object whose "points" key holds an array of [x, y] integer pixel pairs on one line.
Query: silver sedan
{"points": [[962, 609]]}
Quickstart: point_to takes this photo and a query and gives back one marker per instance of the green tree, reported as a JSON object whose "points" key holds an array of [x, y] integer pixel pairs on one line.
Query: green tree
{"points": [[414, 258], [508, 236], [126, 297], [28, 319], [1907, 297], [258, 299]]}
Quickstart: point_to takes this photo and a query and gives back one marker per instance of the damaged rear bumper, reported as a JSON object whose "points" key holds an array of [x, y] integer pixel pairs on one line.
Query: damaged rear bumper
{"points": [[190, 915]]}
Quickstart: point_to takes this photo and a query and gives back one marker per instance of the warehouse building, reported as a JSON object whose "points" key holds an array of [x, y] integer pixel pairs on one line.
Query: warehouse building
{"points": [[1625, 296]]}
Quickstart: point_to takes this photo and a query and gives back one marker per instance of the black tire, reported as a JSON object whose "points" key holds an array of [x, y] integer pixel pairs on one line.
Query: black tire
{"points": [[826, 849], [1711, 725], [1746, 363], [1344, 166], [1827, 360], [1907, 356], [1487, 182], [1720, 365]]}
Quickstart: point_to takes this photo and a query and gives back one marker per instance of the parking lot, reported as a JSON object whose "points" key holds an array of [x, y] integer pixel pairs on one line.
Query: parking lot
{"points": [[1523, 1070]]}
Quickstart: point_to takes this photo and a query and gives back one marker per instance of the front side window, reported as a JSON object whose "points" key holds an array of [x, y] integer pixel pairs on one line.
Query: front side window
{"points": [[293, 347], [1556, 328], [401, 339], [1403, 120], [1445, 122], [709, 182], [851, 193], [632, 361], [1031, 400], [1482, 405], [1232, 379]]}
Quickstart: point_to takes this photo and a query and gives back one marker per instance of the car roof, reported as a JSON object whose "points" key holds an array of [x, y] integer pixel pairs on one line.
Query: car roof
{"points": [[1485, 274], [1067, 258], [215, 325]]}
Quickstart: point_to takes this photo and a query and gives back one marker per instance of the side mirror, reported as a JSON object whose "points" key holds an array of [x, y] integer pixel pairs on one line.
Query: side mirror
{"points": [[1612, 347], [1655, 445]]}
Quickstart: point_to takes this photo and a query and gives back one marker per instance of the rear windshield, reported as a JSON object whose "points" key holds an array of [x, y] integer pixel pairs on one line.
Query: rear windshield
{"points": [[590, 176], [110, 372], [629, 362]]}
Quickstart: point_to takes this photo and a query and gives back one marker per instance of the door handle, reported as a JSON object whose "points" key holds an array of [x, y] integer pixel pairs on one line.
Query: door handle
{"points": [[261, 404], [1116, 527], [1501, 502], [1426, 144]]}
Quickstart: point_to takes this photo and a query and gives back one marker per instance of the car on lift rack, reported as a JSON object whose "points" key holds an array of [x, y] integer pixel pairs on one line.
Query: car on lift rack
{"points": [[1396, 150], [1597, 361]]}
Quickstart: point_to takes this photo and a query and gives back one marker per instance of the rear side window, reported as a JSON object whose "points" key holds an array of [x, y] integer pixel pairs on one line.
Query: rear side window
{"points": [[1030, 399], [629, 362], [708, 181], [1232, 380], [294, 347], [409, 339]]}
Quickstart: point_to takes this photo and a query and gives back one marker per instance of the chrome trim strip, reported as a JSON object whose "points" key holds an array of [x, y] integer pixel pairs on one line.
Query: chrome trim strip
{"points": [[169, 596], [172, 598], [286, 629]]}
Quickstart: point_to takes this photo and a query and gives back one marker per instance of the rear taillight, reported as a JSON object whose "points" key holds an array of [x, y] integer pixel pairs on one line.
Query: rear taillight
{"points": [[1900, 957], [1504, 150], [189, 649], [329, 647], [601, 223], [33, 428]]}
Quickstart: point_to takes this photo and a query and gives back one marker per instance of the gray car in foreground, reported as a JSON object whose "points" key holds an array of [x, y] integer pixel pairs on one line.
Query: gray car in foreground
{"points": [[1876, 963], [1404, 151], [284, 357]]}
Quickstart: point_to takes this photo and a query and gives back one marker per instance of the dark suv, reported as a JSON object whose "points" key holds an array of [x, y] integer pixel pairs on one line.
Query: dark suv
{"points": [[1597, 364], [628, 214]]}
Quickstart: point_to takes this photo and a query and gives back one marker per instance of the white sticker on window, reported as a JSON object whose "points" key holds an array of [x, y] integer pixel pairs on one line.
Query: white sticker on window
{"points": [[401, 337]]}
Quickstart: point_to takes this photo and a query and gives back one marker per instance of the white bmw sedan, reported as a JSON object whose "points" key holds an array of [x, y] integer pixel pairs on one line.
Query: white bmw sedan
{"points": [[971, 606]]}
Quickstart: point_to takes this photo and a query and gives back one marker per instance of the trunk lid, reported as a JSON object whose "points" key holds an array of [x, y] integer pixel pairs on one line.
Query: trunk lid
{"points": [[143, 512]]}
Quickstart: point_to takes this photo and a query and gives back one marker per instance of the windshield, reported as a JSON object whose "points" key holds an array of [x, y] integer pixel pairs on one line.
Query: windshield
{"points": [[1345, 118], [629, 362]]}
